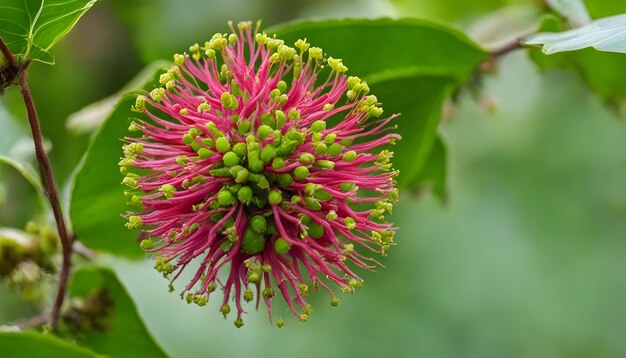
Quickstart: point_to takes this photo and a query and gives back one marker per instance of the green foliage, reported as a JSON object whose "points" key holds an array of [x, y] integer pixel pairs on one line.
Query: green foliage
{"points": [[370, 47], [411, 65], [27, 171], [606, 34], [30, 28], [98, 202], [434, 173], [604, 72], [419, 98], [121, 331], [451, 10], [603, 8], [35, 345]]}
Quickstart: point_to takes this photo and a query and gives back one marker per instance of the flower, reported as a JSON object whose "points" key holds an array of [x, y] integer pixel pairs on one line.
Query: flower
{"points": [[261, 163]]}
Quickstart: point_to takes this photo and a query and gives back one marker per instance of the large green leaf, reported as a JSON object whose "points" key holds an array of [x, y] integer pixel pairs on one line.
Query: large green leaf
{"points": [[31, 27], [97, 201], [35, 345], [124, 333], [370, 47], [419, 98], [412, 66]]}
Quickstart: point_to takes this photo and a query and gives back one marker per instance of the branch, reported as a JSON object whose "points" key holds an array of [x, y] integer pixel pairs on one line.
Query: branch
{"points": [[7, 54], [489, 64], [516, 44], [32, 322], [50, 187]]}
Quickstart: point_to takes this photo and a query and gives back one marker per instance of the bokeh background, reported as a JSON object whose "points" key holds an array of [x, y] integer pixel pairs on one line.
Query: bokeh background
{"points": [[526, 258]]}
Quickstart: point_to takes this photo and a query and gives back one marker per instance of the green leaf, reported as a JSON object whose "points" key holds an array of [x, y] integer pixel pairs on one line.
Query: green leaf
{"points": [[433, 175], [607, 34], [124, 333], [12, 131], [27, 171], [31, 27], [97, 201], [16, 156], [370, 47], [604, 8], [411, 65], [604, 72], [35, 345], [574, 10], [419, 98]]}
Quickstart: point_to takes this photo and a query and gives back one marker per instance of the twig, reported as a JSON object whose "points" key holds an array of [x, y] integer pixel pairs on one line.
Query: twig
{"points": [[7, 54], [83, 250], [506, 48], [33, 321], [50, 187], [489, 64], [52, 193]]}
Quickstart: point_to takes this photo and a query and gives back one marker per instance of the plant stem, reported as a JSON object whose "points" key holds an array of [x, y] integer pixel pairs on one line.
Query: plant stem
{"points": [[33, 321], [52, 193], [506, 48], [50, 187], [7, 54]]}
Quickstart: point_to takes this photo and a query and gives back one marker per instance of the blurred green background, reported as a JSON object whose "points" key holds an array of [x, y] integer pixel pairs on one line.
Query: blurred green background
{"points": [[527, 258]]}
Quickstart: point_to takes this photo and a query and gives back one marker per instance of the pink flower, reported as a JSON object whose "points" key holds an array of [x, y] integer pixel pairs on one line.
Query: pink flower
{"points": [[260, 163]]}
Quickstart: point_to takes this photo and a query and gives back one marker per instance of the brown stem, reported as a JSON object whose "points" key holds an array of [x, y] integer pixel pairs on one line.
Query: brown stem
{"points": [[506, 48], [33, 321], [7, 54], [52, 193]]}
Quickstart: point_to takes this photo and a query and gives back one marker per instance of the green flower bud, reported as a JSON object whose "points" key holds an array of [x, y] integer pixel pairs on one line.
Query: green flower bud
{"points": [[301, 172], [281, 246], [229, 101], [268, 153], [335, 149], [225, 198], [285, 179], [205, 153], [230, 159], [275, 197], [222, 145], [321, 148], [253, 242], [264, 131], [349, 156], [245, 194], [306, 158], [318, 126], [240, 149], [278, 163], [258, 223]]}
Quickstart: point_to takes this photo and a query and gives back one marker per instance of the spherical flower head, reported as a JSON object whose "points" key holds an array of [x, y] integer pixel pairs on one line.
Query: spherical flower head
{"points": [[263, 164]]}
